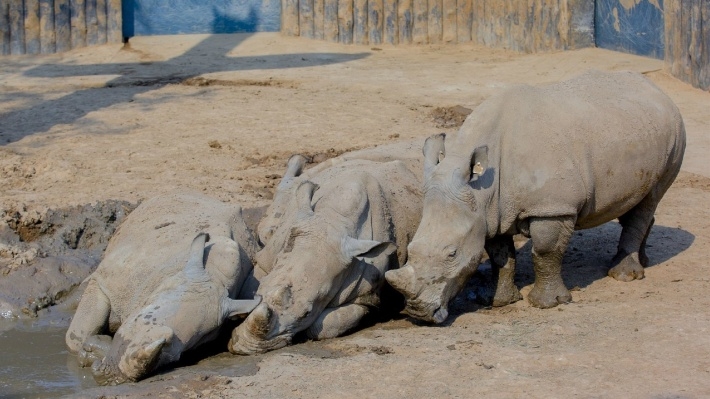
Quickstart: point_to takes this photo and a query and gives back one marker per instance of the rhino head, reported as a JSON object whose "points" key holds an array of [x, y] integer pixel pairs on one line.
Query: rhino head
{"points": [[186, 310], [317, 261], [449, 243]]}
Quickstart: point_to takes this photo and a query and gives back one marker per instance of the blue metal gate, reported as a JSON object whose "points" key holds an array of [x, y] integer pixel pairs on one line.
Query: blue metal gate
{"points": [[164, 17], [631, 26]]}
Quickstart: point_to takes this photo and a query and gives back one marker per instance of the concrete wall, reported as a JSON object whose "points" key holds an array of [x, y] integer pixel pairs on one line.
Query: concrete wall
{"points": [[687, 29], [521, 25], [49, 26]]}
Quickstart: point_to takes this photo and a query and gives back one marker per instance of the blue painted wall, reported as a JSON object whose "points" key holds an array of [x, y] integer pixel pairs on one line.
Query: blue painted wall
{"points": [[638, 29], [164, 17]]}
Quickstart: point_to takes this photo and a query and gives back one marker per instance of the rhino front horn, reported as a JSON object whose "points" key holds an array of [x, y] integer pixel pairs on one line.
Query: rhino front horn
{"points": [[402, 280]]}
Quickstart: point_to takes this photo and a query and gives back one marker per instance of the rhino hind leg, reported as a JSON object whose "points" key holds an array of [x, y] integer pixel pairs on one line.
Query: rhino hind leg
{"points": [[334, 322], [550, 237], [90, 318], [501, 251], [630, 259]]}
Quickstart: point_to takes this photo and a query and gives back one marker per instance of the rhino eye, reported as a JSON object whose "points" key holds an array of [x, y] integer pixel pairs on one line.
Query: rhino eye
{"points": [[452, 254]]}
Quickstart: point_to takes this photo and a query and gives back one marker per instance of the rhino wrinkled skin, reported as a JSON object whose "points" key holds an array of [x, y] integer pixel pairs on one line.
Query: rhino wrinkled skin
{"points": [[542, 162], [329, 237], [165, 285]]}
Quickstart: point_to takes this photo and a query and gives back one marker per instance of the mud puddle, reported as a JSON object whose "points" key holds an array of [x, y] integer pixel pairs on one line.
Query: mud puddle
{"points": [[35, 362]]}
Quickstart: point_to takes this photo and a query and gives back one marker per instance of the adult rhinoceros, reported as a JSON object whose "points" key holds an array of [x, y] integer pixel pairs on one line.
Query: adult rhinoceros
{"points": [[541, 161], [164, 286]]}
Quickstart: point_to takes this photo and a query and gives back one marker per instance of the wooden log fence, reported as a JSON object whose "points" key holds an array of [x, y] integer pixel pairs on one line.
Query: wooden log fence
{"points": [[49, 26], [522, 25], [687, 36]]}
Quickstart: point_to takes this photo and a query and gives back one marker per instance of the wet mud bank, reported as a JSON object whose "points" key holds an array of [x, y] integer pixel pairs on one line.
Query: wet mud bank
{"points": [[45, 254]]}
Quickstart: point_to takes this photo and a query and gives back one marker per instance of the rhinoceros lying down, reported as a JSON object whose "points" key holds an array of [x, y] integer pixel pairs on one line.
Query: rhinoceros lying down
{"points": [[161, 287], [325, 261], [542, 161]]}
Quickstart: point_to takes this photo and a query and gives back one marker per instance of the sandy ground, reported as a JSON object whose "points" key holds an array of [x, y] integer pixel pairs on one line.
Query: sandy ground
{"points": [[223, 113]]}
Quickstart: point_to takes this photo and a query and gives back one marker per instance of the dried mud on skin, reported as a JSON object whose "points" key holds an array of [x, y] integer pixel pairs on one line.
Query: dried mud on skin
{"points": [[44, 254]]}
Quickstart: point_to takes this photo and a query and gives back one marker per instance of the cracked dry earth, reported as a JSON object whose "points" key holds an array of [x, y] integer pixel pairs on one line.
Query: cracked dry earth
{"points": [[222, 113]]}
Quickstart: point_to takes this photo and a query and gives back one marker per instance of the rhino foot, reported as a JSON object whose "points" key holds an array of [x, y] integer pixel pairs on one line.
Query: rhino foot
{"points": [[549, 297], [626, 268], [506, 296], [94, 348]]}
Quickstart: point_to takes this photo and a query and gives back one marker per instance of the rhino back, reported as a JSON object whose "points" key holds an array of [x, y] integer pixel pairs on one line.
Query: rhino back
{"points": [[593, 146], [153, 243]]}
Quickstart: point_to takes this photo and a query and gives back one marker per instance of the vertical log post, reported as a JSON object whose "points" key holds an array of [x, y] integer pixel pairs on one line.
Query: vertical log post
{"points": [[345, 21], [17, 29], [114, 21], [391, 26], [289, 17], [92, 23], [305, 18], [360, 28], [46, 27], [318, 21], [405, 21], [78, 23], [32, 27], [330, 20], [420, 33], [449, 15], [375, 20], [464, 20], [5, 27], [62, 25], [435, 28], [101, 10]]}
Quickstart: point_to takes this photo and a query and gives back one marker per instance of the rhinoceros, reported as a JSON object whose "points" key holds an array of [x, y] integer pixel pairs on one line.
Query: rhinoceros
{"points": [[165, 285], [322, 269], [543, 162]]}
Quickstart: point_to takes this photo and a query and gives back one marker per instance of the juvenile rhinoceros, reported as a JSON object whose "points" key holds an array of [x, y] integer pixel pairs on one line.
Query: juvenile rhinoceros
{"points": [[160, 288], [541, 161], [325, 260]]}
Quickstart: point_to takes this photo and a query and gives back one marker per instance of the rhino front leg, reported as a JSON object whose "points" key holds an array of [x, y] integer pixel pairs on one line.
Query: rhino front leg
{"points": [[550, 237], [501, 251], [90, 318], [334, 322]]}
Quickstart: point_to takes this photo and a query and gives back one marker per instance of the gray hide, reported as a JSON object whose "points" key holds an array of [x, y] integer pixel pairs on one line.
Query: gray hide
{"points": [[327, 258], [165, 285], [541, 161]]}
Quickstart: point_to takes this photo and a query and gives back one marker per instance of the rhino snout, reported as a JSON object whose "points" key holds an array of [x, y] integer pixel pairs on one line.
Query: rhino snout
{"points": [[251, 337]]}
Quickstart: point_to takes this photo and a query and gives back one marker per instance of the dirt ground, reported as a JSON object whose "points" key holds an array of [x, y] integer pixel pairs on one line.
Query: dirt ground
{"points": [[222, 114]]}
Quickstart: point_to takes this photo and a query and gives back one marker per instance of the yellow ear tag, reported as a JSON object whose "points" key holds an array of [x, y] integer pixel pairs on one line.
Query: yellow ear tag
{"points": [[477, 169]]}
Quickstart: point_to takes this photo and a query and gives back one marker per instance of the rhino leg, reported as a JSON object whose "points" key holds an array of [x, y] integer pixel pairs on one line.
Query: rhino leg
{"points": [[630, 259], [501, 251], [550, 237], [94, 348], [91, 317], [334, 322]]}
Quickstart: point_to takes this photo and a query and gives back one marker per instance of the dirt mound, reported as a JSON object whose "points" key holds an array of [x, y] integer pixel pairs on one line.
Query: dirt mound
{"points": [[44, 254], [449, 117]]}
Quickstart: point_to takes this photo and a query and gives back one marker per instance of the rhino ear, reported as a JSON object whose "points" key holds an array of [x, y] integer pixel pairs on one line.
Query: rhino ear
{"points": [[479, 163], [355, 248], [195, 264], [434, 153], [240, 307], [294, 168]]}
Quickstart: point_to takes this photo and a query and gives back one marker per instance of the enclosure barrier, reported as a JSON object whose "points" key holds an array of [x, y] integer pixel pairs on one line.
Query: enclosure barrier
{"points": [[521, 25], [688, 41], [49, 26]]}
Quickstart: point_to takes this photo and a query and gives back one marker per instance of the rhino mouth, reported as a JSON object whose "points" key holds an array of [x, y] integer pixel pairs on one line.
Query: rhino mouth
{"points": [[431, 313]]}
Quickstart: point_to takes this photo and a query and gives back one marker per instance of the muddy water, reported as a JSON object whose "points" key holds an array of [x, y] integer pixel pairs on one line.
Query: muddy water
{"points": [[34, 361]]}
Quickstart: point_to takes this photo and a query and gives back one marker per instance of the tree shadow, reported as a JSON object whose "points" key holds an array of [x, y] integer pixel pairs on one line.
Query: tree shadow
{"points": [[208, 56], [586, 260]]}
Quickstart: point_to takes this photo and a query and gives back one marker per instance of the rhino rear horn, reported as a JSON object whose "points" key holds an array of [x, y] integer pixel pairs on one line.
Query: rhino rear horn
{"points": [[434, 152], [304, 196], [259, 321], [241, 307], [195, 263]]}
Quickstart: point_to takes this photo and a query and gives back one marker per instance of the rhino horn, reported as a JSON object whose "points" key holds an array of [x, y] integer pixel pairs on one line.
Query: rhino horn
{"points": [[434, 152], [195, 264], [304, 196], [402, 280], [259, 321], [241, 307]]}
